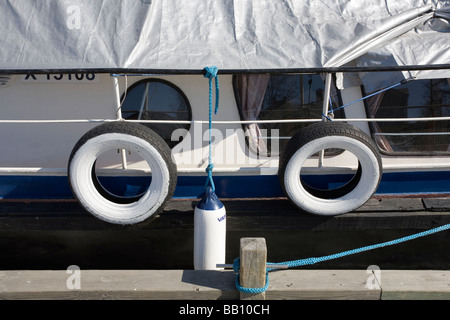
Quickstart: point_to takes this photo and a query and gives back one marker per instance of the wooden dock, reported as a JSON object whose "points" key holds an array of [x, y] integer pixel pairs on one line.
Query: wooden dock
{"points": [[219, 285]]}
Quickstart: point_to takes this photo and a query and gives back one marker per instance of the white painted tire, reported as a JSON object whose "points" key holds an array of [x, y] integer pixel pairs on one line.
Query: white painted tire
{"points": [[121, 135], [322, 136]]}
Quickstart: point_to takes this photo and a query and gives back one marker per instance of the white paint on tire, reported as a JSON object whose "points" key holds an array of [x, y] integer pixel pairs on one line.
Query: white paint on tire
{"points": [[367, 185], [90, 198]]}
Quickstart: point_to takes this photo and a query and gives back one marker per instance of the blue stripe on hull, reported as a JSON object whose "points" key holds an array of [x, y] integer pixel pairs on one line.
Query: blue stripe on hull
{"points": [[57, 187]]}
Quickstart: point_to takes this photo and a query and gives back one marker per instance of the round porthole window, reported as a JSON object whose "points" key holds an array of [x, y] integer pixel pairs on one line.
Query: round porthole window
{"points": [[156, 99]]}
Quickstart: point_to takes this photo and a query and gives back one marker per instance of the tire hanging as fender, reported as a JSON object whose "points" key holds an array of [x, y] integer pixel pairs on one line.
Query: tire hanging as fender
{"points": [[97, 200], [328, 135]]}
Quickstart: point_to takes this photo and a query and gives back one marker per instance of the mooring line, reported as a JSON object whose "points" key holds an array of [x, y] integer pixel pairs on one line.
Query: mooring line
{"points": [[314, 260]]}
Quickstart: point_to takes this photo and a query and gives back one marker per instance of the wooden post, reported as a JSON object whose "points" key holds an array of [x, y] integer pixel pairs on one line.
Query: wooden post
{"points": [[252, 272]]}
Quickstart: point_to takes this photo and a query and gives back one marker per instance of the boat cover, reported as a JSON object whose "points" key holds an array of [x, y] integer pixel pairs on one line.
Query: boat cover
{"points": [[230, 34]]}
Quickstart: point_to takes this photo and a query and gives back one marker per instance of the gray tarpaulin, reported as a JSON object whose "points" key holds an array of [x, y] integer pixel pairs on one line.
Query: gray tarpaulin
{"points": [[230, 34]]}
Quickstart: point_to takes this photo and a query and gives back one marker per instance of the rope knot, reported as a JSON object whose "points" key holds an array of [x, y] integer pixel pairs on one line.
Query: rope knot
{"points": [[210, 167], [210, 72]]}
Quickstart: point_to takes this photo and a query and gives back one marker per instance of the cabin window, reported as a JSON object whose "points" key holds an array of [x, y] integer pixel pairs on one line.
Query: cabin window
{"points": [[156, 99], [414, 99], [275, 97]]}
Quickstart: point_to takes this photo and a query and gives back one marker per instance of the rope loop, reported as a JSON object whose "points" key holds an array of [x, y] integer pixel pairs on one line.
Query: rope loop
{"points": [[236, 268], [329, 117], [236, 265], [252, 290], [314, 260]]}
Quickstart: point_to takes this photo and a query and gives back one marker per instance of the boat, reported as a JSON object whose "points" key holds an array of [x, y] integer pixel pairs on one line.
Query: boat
{"points": [[327, 104]]}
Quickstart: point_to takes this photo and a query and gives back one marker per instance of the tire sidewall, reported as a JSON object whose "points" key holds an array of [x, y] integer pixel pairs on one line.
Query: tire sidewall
{"points": [[83, 186], [369, 181]]}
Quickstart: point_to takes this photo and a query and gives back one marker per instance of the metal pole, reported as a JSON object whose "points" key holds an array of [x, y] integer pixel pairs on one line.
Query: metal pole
{"points": [[119, 117], [326, 101]]}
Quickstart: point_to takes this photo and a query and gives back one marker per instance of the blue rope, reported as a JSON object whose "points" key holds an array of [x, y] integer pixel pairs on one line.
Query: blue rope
{"points": [[329, 118], [363, 98], [236, 267], [314, 260], [210, 73]]}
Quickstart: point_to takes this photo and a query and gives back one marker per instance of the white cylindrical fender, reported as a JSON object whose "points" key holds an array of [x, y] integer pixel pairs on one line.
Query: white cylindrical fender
{"points": [[209, 232]]}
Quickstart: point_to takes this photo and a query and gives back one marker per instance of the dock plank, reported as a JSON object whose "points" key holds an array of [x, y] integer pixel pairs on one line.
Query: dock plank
{"points": [[119, 284], [415, 285], [219, 285], [321, 285]]}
